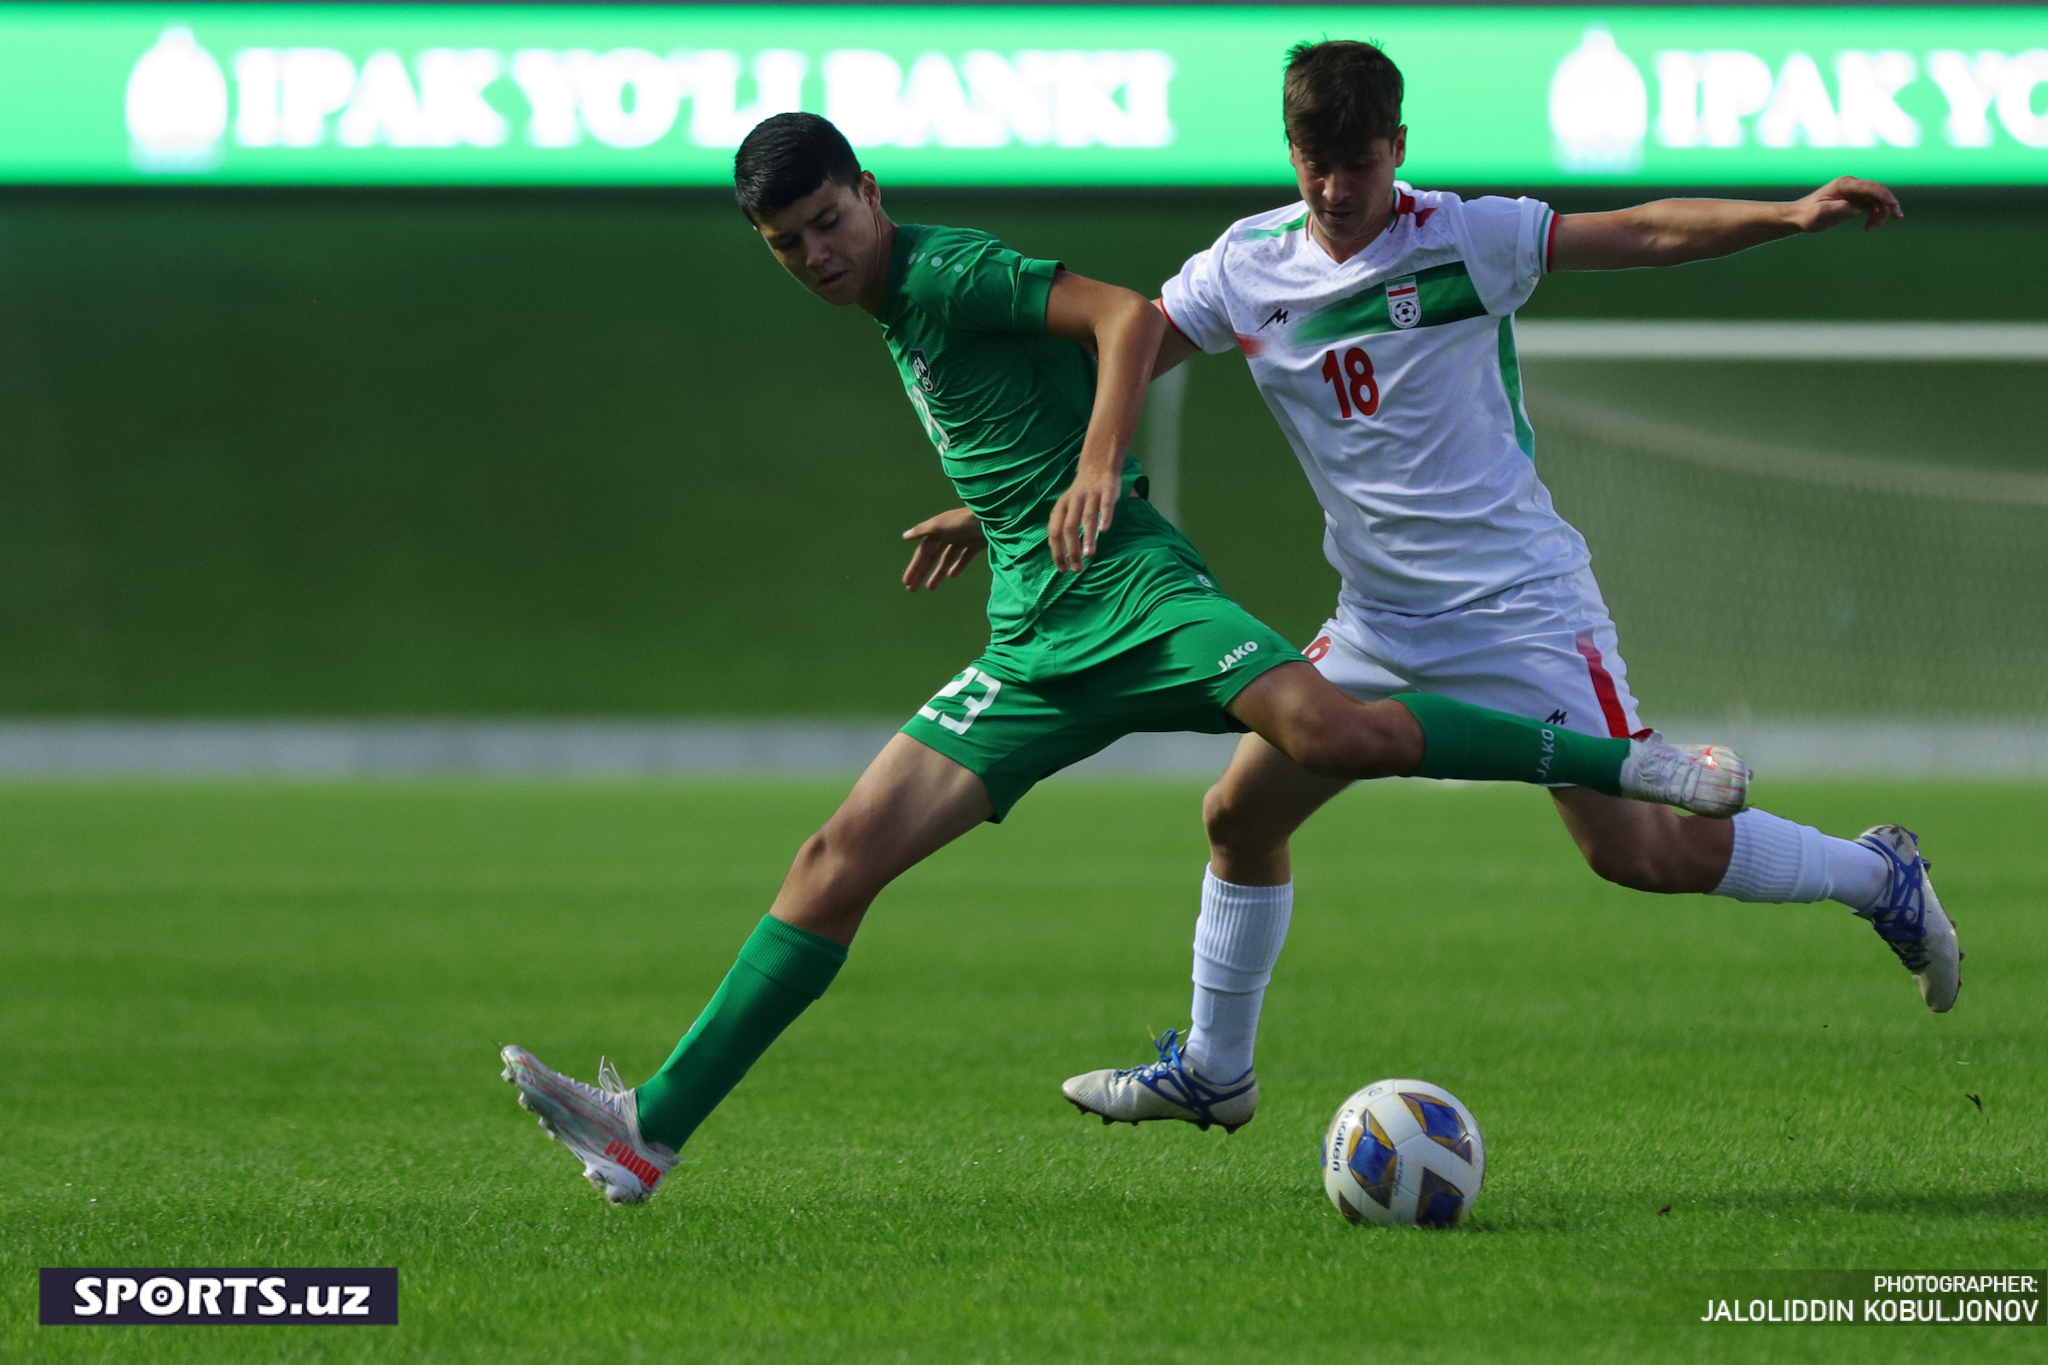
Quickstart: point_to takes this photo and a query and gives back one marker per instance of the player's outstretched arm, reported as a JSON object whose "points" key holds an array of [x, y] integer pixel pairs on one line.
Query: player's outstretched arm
{"points": [[1123, 329], [1674, 231], [946, 544]]}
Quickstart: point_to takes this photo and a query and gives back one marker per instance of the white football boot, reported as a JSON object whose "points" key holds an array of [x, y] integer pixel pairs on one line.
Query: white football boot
{"points": [[1911, 921], [599, 1124], [1706, 779], [1166, 1089]]}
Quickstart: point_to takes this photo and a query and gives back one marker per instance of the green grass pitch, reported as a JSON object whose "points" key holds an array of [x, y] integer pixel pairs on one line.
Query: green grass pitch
{"points": [[256, 1025]]}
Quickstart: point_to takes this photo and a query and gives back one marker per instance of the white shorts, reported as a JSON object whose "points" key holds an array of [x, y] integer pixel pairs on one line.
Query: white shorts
{"points": [[1545, 650]]}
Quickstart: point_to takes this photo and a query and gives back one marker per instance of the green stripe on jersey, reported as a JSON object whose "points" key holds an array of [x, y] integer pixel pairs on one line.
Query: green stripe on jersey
{"points": [[1445, 293], [1280, 231], [1511, 380]]}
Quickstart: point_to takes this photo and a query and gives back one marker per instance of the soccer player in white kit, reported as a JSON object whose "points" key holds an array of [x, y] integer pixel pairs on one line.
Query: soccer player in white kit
{"points": [[1378, 322]]}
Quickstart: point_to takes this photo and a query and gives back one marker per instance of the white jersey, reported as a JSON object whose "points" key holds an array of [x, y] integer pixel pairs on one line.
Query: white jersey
{"points": [[1394, 377]]}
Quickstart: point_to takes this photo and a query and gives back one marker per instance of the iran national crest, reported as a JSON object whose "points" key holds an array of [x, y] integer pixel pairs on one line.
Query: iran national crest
{"points": [[1404, 305]]}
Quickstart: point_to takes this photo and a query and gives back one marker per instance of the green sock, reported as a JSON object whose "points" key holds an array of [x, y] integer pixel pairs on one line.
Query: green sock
{"points": [[1492, 746], [781, 970]]}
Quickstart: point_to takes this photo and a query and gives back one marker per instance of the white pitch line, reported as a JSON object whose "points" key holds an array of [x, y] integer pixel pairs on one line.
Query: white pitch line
{"points": [[1936, 341]]}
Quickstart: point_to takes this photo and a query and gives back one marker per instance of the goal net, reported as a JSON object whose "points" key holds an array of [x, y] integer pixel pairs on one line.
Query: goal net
{"points": [[1787, 535]]}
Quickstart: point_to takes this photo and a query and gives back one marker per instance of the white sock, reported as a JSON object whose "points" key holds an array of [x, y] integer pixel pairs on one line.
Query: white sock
{"points": [[1237, 940], [1779, 862]]}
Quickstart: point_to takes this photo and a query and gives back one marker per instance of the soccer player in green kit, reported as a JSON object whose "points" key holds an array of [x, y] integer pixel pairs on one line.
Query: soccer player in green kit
{"points": [[1104, 621]]}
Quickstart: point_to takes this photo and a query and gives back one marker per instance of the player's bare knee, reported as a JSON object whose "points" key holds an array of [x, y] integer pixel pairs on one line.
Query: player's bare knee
{"points": [[1309, 741], [1328, 757], [1223, 813], [1237, 826], [1353, 742], [830, 879], [833, 854], [814, 859]]}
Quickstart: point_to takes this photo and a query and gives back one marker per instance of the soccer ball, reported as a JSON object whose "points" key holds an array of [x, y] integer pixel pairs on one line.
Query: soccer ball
{"points": [[1403, 1153]]}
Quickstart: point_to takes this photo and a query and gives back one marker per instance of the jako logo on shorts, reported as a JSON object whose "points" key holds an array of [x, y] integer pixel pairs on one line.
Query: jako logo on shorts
{"points": [[1248, 647]]}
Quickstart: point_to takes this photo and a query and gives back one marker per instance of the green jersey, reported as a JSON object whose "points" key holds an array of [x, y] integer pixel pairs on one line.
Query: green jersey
{"points": [[1007, 405]]}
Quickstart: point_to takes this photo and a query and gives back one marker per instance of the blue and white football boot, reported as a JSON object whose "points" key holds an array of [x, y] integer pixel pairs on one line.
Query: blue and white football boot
{"points": [[1910, 919], [599, 1124], [1166, 1089]]}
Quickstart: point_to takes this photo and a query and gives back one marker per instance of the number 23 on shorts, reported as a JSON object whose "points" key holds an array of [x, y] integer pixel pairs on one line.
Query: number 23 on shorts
{"points": [[1357, 391], [971, 706]]}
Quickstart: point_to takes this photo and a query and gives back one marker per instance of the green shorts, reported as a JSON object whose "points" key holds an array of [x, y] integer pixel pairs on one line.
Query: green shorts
{"points": [[1012, 733]]}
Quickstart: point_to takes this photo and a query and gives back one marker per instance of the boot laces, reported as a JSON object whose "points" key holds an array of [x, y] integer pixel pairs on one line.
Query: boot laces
{"points": [[1901, 918], [1171, 1077]]}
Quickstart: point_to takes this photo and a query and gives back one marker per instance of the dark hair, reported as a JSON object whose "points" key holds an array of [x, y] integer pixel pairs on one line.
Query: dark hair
{"points": [[787, 157], [1340, 96]]}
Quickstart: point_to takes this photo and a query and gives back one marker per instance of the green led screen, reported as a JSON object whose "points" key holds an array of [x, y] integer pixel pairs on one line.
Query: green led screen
{"points": [[488, 95]]}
